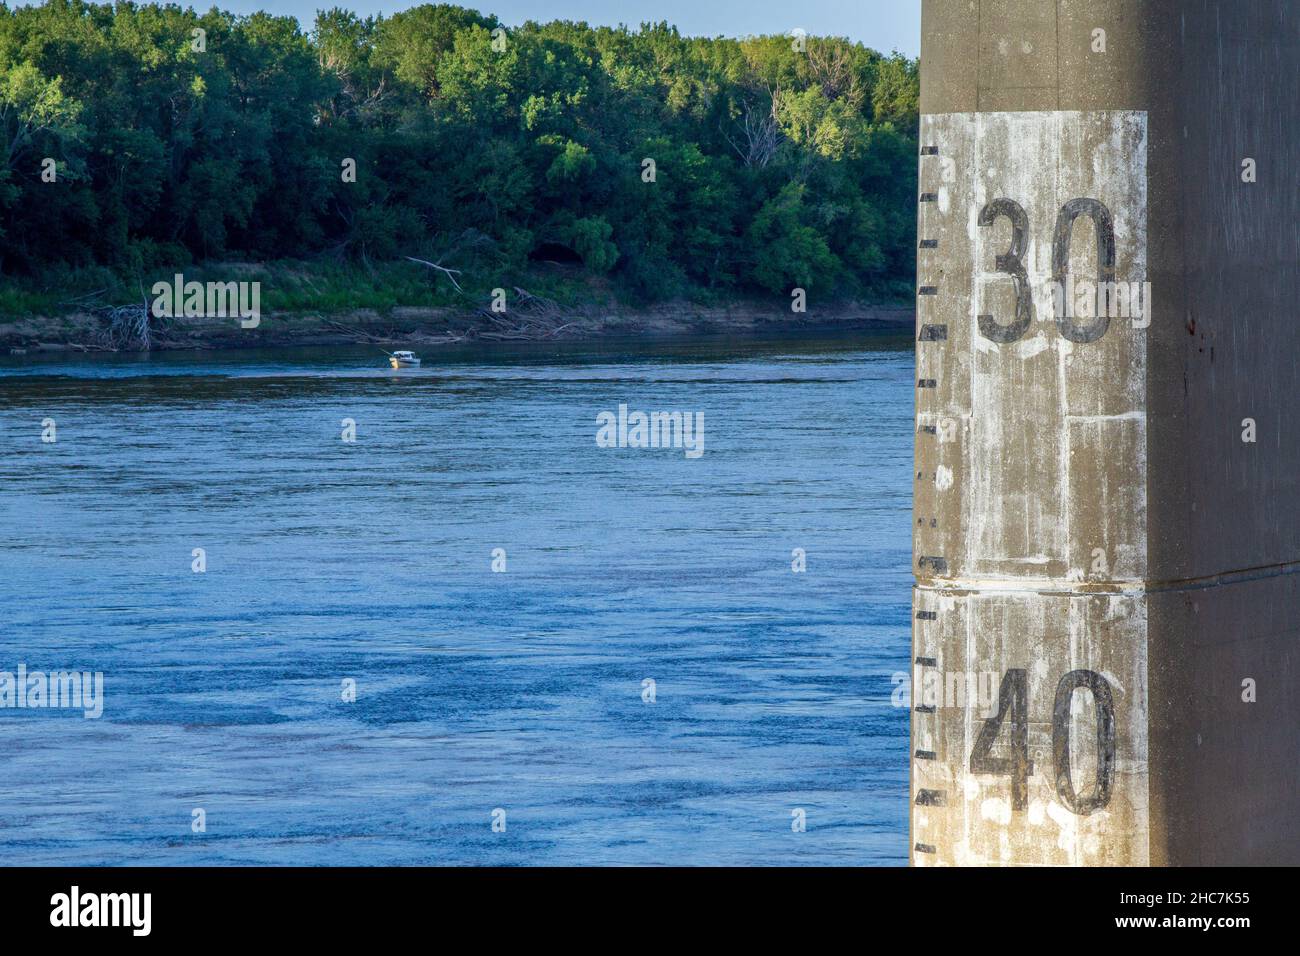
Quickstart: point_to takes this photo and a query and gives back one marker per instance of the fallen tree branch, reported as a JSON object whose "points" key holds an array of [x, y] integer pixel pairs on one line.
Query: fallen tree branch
{"points": [[449, 272]]}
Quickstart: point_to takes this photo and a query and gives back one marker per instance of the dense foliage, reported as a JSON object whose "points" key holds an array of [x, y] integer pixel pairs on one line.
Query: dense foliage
{"points": [[773, 167]]}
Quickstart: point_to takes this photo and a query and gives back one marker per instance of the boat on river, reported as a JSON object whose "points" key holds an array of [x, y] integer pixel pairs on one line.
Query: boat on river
{"points": [[403, 360]]}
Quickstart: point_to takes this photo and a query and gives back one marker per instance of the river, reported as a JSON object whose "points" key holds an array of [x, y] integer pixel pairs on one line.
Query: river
{"points": [[228, 733]]}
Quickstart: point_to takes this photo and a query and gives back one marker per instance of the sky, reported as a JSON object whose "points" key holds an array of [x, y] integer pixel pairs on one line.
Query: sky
{"points": [[885, 25]]}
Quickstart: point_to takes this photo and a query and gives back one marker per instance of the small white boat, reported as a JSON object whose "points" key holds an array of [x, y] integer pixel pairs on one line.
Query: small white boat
{"points": [[403, 360]]}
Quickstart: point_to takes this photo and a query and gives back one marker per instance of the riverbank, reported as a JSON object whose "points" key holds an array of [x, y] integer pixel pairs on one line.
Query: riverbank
{"points": [[100, 330]]}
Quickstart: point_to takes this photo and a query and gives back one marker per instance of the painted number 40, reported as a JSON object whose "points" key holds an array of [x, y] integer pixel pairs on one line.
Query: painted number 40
{"points": [[1013, 709]]}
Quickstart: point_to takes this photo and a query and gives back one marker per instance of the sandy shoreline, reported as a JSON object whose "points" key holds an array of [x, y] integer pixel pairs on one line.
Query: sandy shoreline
{"points": [[86, 331]]}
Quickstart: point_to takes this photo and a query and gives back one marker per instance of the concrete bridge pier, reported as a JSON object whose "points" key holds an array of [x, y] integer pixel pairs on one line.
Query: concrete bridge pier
{"points": [[1106, 632]]}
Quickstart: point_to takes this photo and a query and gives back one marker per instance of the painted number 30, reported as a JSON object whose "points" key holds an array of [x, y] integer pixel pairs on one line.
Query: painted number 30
{"points": [[1012, 263], [1013, 705]]}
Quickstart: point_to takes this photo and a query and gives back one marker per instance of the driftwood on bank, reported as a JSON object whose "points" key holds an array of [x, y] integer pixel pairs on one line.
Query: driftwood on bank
{"points": [[129, 328], [530, 318], [391, 336], [125, 327], [527, 318]]}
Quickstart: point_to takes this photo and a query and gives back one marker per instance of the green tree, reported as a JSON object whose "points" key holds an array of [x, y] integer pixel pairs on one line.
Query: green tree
{"points": [[788, 253], [773, 168]]}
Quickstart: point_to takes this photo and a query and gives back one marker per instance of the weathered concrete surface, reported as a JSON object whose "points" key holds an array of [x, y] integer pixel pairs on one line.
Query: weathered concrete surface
{"points": [[1048, 636], [1084, 502]]}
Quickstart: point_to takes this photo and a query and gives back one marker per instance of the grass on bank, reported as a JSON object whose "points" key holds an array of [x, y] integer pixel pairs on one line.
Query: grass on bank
{"points": [[327, 287], [286, 286]]}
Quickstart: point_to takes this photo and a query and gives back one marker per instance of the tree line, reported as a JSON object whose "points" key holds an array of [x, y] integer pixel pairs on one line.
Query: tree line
{"points": [[141, 137]]}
